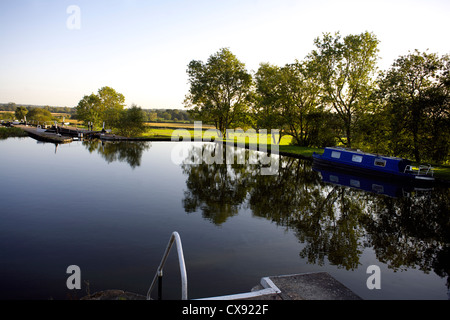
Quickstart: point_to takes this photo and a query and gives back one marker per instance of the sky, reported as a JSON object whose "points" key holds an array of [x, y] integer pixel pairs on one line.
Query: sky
{"points": [[53, 55]]}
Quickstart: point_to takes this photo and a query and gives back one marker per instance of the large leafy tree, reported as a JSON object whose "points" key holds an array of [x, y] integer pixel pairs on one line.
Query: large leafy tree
{"points": [[21, 113], [131, 122], [300, 93], [220, 90], [40, 114], [105, 106], [288, 99], [267, 110], [111, 103], [346, 69], [88, 110]]}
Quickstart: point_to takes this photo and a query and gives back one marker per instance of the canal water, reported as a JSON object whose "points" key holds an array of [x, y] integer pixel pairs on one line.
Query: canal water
{"points": [[110, 209]]}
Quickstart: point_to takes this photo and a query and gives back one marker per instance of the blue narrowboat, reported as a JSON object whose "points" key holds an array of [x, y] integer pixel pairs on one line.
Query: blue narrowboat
{"points": [[357, 161]]}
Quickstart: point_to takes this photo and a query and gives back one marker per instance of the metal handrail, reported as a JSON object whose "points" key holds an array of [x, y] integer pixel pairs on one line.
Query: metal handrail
{"points": [[419, 171], [175, 237]]}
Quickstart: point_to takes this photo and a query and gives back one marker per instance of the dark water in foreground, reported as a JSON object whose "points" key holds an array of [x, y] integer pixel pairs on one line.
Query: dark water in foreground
{"points": [[110, 209]]}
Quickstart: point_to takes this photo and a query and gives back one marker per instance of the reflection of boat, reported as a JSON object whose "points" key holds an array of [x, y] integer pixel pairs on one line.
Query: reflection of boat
{"points": [[356, 161], [388, 187]]}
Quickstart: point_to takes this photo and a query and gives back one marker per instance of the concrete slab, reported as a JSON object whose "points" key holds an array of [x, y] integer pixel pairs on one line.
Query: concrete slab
{"points": [[312, 286], [45, 136]]}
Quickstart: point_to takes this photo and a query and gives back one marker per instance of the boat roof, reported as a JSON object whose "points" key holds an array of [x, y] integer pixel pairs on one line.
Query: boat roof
{"points": [[357, 151]]}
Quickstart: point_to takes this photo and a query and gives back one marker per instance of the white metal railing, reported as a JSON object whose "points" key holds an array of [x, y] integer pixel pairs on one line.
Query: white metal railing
{"points": [[174, 238], [421, 170]]}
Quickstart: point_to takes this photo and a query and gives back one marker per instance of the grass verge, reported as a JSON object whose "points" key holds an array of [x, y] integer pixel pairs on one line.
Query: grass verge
{"points": [[11, 132]]}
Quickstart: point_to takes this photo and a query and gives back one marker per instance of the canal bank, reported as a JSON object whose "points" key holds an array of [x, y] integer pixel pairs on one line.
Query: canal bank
{"points": [[442, 173]]}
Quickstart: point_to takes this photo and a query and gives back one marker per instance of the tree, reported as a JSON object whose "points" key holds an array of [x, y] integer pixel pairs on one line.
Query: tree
{"points": [[267, 110], [416, 95], [300, 94], [346, 67], [152, 116], [105, 106], [88, 110], [7, 116], [131, 122], [288, 99], [21, 113], [166, 116], [219, 90], [111, 104], [40, 115]]}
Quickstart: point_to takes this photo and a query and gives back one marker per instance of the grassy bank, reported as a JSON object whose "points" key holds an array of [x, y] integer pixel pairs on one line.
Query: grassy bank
{"points": [[285, 147], [442, 172], [11, 132]]}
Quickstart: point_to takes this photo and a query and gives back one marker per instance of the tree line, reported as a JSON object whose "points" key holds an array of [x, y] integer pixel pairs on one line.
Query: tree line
{"points": [[334, 96], [12, 106], [162, 115], [150, 115], [21, 113], [107, 108]]}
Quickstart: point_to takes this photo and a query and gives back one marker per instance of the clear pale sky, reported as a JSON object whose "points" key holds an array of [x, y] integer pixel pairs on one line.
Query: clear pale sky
{"points": [[142, 48]]}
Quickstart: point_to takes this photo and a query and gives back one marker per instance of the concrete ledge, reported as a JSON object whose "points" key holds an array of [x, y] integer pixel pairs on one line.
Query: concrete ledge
{"points": [[312, 286], [305, 286]]}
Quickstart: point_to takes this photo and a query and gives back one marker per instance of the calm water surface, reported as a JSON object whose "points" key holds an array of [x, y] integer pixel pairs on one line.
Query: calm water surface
{"points": [[110, 209]]}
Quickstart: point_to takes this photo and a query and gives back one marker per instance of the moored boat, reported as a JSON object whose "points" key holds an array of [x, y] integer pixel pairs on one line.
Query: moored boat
{"points": [[357, 161]]}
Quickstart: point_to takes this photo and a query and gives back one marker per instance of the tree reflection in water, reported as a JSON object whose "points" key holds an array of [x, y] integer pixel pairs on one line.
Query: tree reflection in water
{"points": [[217, 189], [334, 222], [129, 152]]}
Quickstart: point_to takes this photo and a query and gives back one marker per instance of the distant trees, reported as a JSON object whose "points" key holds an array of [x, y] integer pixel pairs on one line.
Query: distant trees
{"points": [[11, 106], [108, 106], [161, 115], [7, 116]]}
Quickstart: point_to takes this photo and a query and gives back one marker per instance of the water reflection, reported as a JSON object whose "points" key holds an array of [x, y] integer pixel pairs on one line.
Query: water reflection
{"points": [[377, 185], [217, 189], [122, 151], [334, 222]]}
